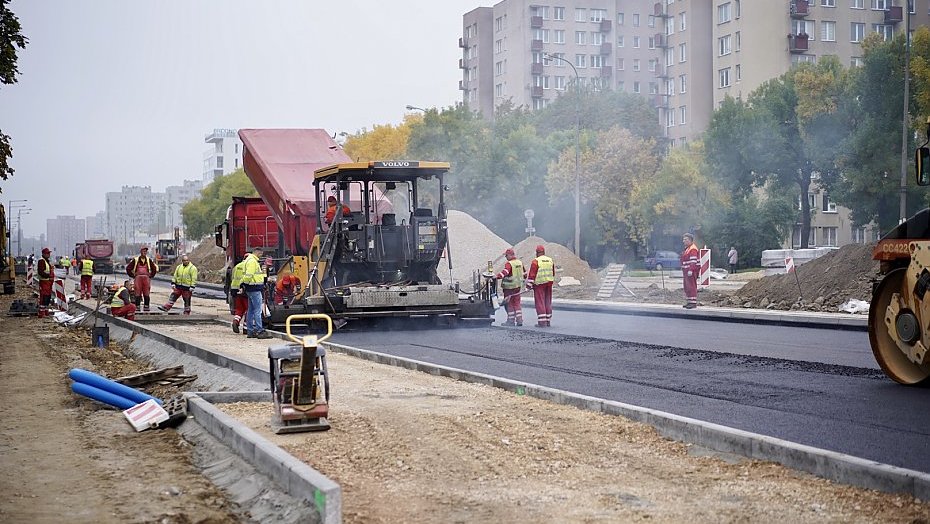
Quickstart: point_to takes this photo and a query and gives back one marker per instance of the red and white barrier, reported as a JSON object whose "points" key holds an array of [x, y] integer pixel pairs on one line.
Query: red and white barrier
{"points": [[704, 272], [61, 300], [30, 276], [789, 264], [146, 415]]}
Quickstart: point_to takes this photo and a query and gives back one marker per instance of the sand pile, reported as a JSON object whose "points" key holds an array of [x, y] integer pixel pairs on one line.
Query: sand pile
{"points": [[472, 245], [826, 282], [566, 265]]}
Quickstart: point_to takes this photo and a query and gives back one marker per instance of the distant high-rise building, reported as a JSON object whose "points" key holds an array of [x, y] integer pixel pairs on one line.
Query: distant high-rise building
{"points": [[63, 232], [177, 196], [224, 157], [133, 210], [96, 225]]}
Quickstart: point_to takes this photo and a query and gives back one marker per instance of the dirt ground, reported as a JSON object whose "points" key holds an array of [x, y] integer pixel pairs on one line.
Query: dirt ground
{"points": [[65, 458]]}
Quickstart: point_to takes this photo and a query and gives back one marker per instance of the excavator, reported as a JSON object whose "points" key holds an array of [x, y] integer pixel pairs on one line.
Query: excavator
{"points": [[899, 313]]}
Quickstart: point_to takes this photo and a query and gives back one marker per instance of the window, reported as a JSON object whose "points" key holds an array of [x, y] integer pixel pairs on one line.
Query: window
{"points": [[597, 38], [682, 53], [669, 57], [653, 64], [880, 5], [886, 30], [739, 72], [541, 11], [636, 42], [636, 87], [683, 84], [801, 59], [857, 4], [619, 18], [558, 13], [856, 31], [828, 31], [827, 206], [682, 115], [670, 118], [803, 27], [827, 3], [670, 26], [652, 42], [723, 77], [219, 162], [828, 235], [636, 64], [598, 14], [620, 85], [581, 15], [559, 83], [537, 57], [499, 90], [723, 13], [653, 88], [499, 68], [621, 65], [597, 61], [498, 46], [723, 45], [541, 34], [635, 19], [682, 22], [500, 23], [541, 81], [858, 235], [559, 36], [581, 37], [619, 40], [651, 21], [539, 103], [855, 61], [737, 7], [559, 59], [581, 60], [670, 87]]}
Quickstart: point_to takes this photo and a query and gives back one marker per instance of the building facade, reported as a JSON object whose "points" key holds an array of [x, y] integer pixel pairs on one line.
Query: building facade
{"points": [[63, 232], [133, 211], [96, 225], [224, 155], [176, 197]]}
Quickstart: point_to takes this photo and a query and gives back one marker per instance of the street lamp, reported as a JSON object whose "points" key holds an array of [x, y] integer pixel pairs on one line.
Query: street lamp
{"points": [[415, 108], [19, 229], [547, 56], [10, 208]]}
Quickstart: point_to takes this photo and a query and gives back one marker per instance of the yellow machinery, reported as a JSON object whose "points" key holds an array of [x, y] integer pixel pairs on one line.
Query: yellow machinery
{"points": [[300, 380], [7, 263]]}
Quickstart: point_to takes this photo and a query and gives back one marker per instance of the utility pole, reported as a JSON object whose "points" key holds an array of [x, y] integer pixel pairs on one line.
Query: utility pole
{"points": [[905, 120], [547, 56]]}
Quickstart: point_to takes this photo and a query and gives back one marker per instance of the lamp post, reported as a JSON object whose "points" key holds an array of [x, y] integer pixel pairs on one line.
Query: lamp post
{"points": [[547, 56], [19, 229], [415, 108], [10, 208], [905, 124]]}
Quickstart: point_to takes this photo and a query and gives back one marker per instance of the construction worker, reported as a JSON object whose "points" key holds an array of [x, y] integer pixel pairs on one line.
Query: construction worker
{"points": [[46, 271], [142, 268], [253, 284], [240, 301], [74, 265], [690, 265], [331, 210], [184, 282], [539, 279], [511, 278], [87, 278], [285, 289], [121, 302]]}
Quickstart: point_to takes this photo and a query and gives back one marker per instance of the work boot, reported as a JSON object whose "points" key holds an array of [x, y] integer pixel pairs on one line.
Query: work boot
{"points": [[252, 335], [689, 306], [508, 323], [519, 324], [540, 324], [164, 308], [263, 335], [235, 327]]}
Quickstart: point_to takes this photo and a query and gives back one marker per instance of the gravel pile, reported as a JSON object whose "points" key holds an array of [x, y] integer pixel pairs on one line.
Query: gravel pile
{"points": [[472, 245], [210, 261]]}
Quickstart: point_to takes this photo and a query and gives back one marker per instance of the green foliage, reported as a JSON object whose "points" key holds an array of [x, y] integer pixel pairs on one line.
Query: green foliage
{"points": [[201, 214], [752, 224], [11, 38]]}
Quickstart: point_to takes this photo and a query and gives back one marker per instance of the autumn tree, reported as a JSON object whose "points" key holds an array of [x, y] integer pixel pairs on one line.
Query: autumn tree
{"points": [[382, 142], [11, 38]]}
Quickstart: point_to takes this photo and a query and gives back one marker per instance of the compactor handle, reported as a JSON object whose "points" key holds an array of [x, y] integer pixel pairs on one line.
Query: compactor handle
{"points": [[309, 316]]}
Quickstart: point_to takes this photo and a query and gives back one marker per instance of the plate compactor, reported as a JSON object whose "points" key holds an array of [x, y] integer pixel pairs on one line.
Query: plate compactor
{"points": [[300, 380]]}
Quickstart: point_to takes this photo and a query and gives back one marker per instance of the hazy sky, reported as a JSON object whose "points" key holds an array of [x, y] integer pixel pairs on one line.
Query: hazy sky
{"points": [[116, 92]]}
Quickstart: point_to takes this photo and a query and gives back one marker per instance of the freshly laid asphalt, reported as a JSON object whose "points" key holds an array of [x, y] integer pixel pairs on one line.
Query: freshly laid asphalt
{"points": [[817, 386]]}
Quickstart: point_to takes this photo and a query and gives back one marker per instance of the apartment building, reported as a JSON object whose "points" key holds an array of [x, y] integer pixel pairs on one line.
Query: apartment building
{"points": [[133, 210], [63, 232], [224, 155], [176, 197]]}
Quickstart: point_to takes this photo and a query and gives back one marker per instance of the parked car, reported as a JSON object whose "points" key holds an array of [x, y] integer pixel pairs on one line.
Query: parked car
{"points": [[662, 260]]}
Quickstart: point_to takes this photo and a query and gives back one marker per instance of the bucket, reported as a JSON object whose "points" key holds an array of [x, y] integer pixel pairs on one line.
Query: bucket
{"points": [[100, 336]]}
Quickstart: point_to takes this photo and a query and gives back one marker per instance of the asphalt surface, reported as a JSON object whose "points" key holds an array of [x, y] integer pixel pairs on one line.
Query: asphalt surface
{"points": [[819, 387]]}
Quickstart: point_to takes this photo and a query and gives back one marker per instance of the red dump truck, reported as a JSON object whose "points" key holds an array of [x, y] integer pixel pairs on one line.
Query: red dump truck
{"points": [[98, 250]]}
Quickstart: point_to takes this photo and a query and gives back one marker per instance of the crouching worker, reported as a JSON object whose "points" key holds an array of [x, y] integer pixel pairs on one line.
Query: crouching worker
{"points": [[184, 281], [286, 289], [121, 302]]}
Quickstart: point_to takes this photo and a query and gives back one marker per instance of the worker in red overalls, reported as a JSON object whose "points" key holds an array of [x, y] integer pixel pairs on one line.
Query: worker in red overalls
{"points": [[690, 265], [511, 278], [286, 288], [142, 268], [46, 273], [121, 302], [540, 279]]}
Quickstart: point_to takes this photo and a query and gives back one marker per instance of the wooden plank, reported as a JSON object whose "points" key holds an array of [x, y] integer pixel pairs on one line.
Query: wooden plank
{"points": [[150, 376]]}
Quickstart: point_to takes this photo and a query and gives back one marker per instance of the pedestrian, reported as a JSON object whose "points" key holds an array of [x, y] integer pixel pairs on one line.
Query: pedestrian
{"points": [[142, 268], [253, 283], [511, 278], [184, 282], [733, 259], [121, 302], [74, 266], [690, 262], [539, 279], [87, 278], [46, 271], [240, 302], [331, 209], [286, 288]]}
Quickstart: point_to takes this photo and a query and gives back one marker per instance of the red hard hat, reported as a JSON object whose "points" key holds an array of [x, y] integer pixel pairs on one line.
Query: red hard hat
{"points": [[331, 199], [509, 253], [46, 250], [540, 249]]}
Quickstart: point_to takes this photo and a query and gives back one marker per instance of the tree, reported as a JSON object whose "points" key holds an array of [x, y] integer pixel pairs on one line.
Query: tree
{"points": [[11, 38], [201, 214], [383, 142]]}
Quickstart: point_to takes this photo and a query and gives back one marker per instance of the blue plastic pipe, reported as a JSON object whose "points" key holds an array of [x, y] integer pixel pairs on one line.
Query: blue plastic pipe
{"points": [[102, 396], [95, 380]]}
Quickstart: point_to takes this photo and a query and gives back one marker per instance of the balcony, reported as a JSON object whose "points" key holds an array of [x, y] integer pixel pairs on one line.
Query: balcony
{"points": [[606, 25], [462, 86], [218, 135], [536, 69], [894, 14], [462, 42], [661, 41], [660, 101], [606, 48], [607, 72], [799, 8], [536, 91], [461, 63], [661, 71], [536, 22], [659, 10], [798, 43], [536, 45]]}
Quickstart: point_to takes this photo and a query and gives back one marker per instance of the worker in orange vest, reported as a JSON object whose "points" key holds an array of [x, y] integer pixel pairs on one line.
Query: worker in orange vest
{"points": [[331, 209], [142, 268], [690, 265], [285, 289], [540, 279], [46, 273]]}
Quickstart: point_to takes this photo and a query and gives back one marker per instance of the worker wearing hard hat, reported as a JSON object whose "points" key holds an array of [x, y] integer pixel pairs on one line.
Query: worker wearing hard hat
{"points": [[121, 302], [87, 276], [142, 268], [184, 282], [539, 279], [46, 272], [331, 209], [511, 278], [286, 288]]}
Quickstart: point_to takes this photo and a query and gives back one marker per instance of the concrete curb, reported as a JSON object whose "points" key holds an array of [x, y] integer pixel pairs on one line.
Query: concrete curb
{"points": [[749, 316], [831, 465], [295, 477]]}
